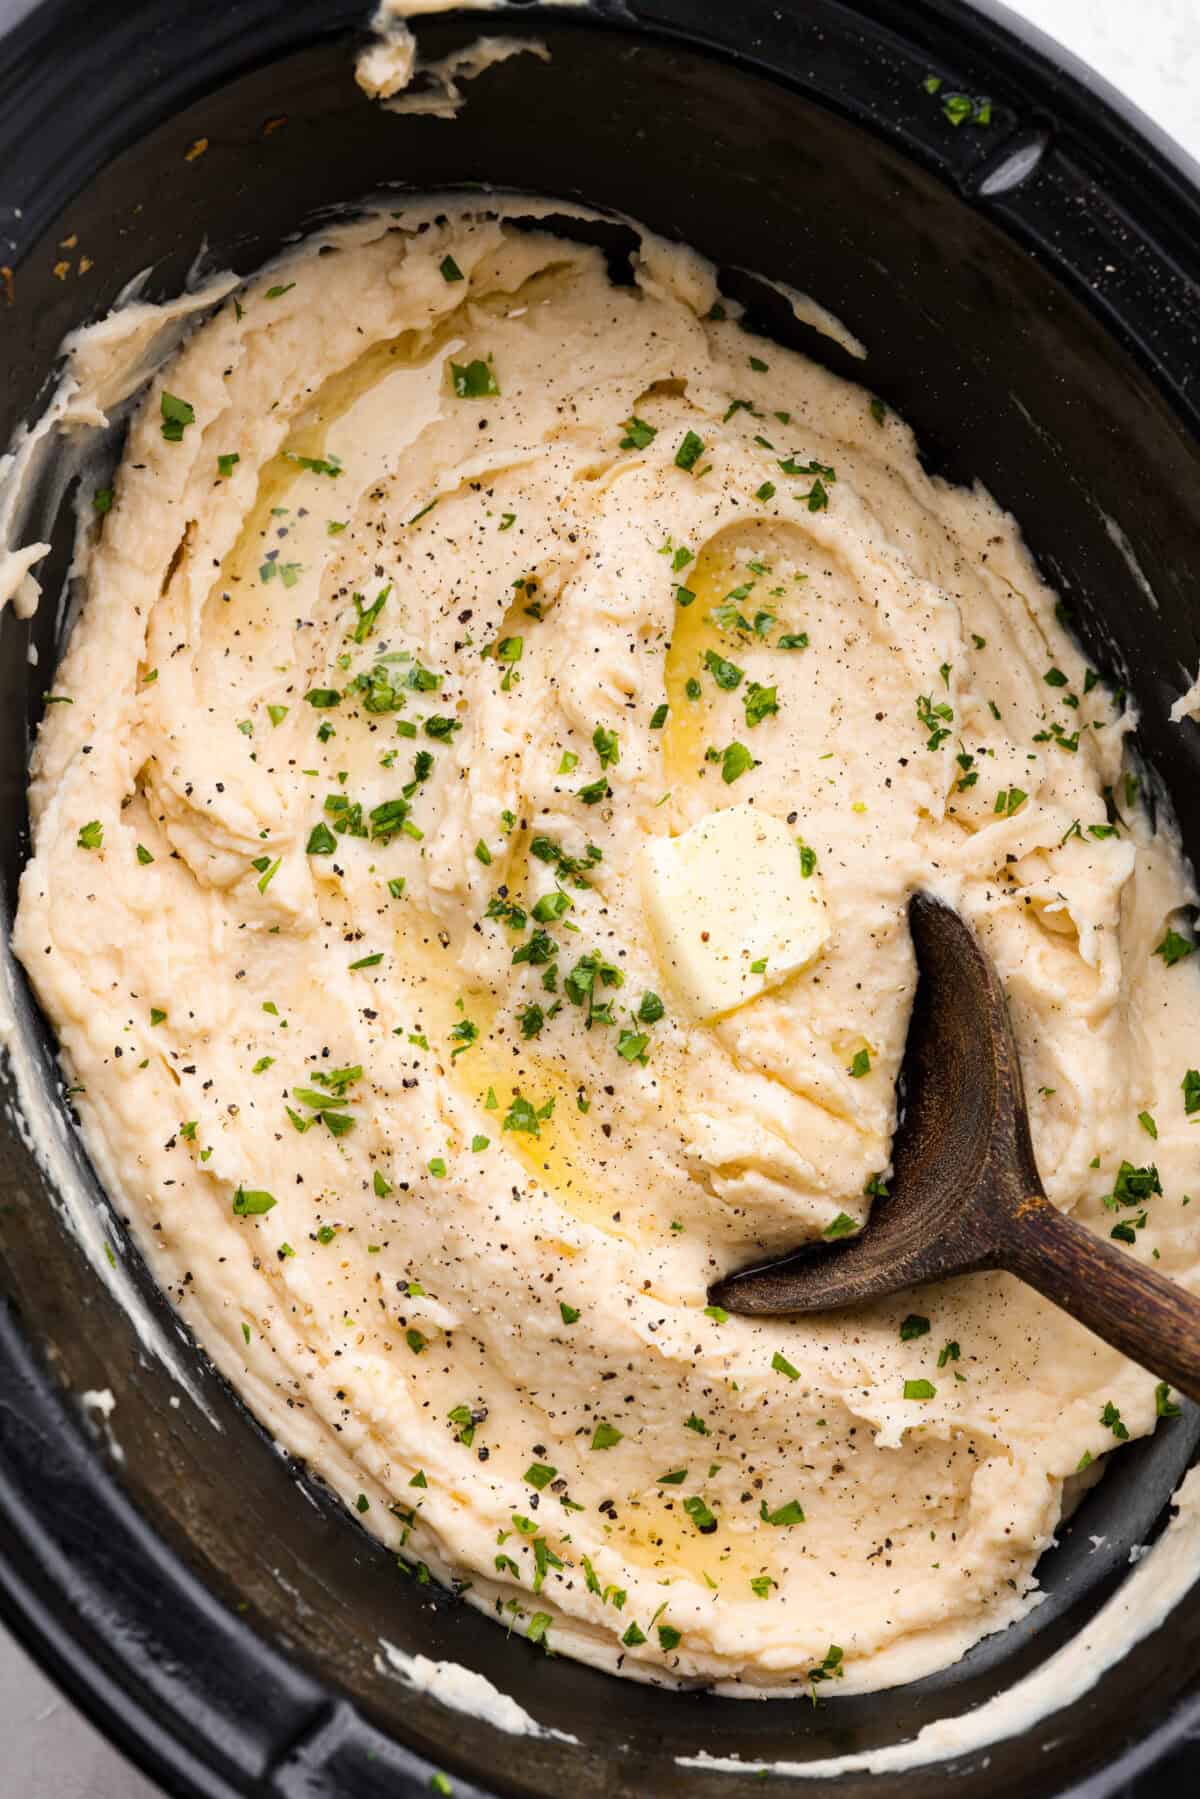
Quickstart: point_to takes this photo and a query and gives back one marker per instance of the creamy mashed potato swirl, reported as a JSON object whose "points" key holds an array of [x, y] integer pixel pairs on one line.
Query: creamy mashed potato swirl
{"points": [[441, 578]]}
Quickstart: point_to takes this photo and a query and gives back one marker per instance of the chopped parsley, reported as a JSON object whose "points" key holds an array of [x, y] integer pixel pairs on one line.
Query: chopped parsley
{"points": [[551, 906], [366, 616], [934, 718], [1111, 1418], [91, 836], [580, 986], [606, 1436], [700, 1514], [919, 1389], [1134, 1186], [450, 269], [843, 1226], [1173, 948], [321, 841], [914, 1326], [760, 702], [569, 867], [735, 760], [473, 380], [522, 1117], [727, 675], [1009, 800], [790, 466], [466, 1420], [830, 1668], [606, 746], [531, 1021], [177, 415], [316, 465], [509, 651], [638, 434], [689, 452], [961, 109], [249, 1202], [791, 1513], [386, 819], [441, 728]]}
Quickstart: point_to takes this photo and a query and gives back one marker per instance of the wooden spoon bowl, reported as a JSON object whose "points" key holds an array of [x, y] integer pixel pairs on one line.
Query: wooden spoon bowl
{"points": [[965, 1193]]}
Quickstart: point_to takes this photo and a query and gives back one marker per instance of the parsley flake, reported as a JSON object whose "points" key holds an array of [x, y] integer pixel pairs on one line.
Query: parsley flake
{"points": [[177, 415], [474, 380], [689, 452]]}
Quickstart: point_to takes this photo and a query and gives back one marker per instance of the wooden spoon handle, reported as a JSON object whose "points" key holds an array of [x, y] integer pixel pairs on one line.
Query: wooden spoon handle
{"points": [[1147, 1316]]}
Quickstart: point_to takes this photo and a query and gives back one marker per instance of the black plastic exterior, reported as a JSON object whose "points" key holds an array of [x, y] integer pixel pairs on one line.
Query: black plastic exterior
{"points": [[1029, 294]]}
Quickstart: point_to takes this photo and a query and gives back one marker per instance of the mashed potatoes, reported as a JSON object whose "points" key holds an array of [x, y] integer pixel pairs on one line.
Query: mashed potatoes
{"points": [[444, 1055]]}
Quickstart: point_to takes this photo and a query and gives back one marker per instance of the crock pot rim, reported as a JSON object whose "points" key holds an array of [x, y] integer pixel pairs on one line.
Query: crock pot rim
{"points": [[34, 1602]]}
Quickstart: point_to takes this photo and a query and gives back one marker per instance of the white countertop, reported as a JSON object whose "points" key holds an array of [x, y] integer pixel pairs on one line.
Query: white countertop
{"points": [[50, 1751]]}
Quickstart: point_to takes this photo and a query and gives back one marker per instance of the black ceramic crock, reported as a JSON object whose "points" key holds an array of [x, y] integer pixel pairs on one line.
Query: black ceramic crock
{"points": [[1030, 294]]}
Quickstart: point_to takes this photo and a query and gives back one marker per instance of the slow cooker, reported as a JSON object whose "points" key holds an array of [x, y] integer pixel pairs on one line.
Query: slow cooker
{"points": [[1027, 283]]}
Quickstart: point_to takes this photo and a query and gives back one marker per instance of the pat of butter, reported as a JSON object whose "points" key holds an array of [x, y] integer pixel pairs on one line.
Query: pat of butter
{"points": [[731, 912]]}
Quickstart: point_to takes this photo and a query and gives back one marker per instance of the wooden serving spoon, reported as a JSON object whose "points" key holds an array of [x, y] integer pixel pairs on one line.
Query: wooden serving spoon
{"points": [[965, 1193]]}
